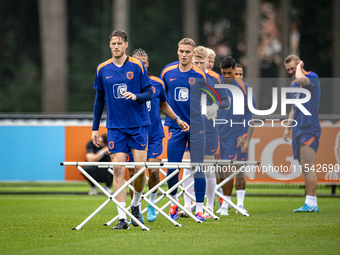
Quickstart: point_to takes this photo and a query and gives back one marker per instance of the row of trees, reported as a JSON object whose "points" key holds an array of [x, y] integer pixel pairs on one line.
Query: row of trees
{"points": [[50, 48]]}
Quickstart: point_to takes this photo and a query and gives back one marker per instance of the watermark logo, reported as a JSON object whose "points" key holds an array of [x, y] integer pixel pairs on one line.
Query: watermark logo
{"points": [[238, 100], [238, 104]]}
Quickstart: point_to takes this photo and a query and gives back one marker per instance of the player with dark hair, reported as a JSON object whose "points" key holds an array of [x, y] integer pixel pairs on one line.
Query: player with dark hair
{"points": [[234, 136], [238, 70], [183, 82], [242, 153], [155, 130], [124, 84], [306, 133]]}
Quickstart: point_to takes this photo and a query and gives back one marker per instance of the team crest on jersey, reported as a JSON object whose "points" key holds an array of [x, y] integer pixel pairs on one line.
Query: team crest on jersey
{"points": [[111, 145], [192, 80], [153, 89], [129, 75]]}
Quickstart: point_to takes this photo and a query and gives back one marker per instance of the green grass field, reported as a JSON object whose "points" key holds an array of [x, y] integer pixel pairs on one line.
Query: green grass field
{"points": [[42, 224]]}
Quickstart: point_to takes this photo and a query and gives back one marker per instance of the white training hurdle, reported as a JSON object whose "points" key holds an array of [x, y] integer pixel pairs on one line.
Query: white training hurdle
{"points": [[160, 165]]}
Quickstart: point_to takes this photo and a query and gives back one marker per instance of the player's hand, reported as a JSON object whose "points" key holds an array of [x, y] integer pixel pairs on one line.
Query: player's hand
{"points": [[95, 138], [240, 142], [300, 63], [245, 147], [285, 135], [129, 95], [183, 125]]}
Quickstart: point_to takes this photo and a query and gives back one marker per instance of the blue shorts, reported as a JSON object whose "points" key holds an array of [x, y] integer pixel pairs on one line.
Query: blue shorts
{"points": [[304, 139], [241, 156], [211, 143], [228, 148], [155, 150], [122, 139], [177, 142]]}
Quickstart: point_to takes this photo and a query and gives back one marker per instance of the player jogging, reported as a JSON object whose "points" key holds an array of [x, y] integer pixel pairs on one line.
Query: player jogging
{"points": [[232, 136], [183, 82], [155, 130], [200, 60], [124, 84]]}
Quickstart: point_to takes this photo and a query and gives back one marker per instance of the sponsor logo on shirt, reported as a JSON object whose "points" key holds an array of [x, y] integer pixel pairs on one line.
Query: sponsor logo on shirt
{"points": [[181, 94], [118, 90], [148, 105], [172, 79]]}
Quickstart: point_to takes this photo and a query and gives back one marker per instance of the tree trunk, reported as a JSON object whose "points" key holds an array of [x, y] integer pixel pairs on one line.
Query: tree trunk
{"points": [[336, 57], [252, 42], [53, 33], [121, 15], [190, 20]]}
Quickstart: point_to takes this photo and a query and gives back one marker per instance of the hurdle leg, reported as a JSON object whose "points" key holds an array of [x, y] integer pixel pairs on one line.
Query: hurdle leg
{"points": [[124, 209], [163, 213], [204, 207], [242, 211], [130, 215], [109, 223], [154, 204], [117, 217], [164, 194], [113, 196], [167, 194], [80, 226]]}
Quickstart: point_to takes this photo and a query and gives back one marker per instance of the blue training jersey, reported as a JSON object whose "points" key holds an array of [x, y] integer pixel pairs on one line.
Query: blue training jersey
{"points": [[184, 95], [155, 130], [308, 123], [131, 77], [237, 125]]}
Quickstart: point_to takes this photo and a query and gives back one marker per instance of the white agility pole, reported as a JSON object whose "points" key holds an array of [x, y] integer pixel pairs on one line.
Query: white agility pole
{"points": [[112, 197], [150, 203]]}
